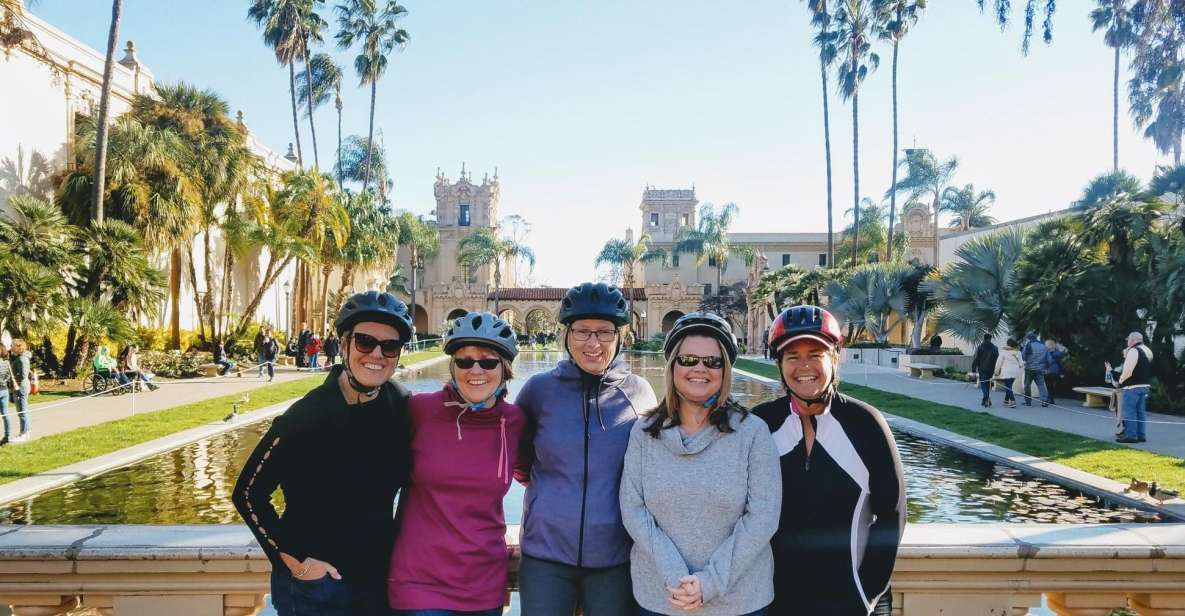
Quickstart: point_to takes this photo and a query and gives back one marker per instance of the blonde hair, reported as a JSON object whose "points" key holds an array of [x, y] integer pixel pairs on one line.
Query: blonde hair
{"points": [[19, 346], [666, 414], [507, 365]]}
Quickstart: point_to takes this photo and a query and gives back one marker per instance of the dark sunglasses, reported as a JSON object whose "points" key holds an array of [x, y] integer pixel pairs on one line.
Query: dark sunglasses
{"points": [[488, 363], [366, 343], [713, 362]]}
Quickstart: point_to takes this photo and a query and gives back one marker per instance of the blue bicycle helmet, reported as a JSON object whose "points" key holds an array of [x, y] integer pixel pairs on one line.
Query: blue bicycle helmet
{"points": [[594, 300], [482, 329], [374, 306], [702, 324]]}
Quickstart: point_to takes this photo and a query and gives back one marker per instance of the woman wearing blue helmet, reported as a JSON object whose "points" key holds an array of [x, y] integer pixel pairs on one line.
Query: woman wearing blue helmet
{"points": [[575, 549], [339, 454]]}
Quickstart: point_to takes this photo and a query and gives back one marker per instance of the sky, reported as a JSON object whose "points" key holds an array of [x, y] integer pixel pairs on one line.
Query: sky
{"points": [[581, 105]]}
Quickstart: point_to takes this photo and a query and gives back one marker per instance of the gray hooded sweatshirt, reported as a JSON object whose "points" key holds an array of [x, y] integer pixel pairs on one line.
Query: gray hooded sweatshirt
{"points": [[704, 505]]}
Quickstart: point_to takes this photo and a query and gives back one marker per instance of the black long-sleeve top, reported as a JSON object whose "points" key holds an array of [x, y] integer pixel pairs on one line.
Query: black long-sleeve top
{"points": [[339, 467], [843, 509]]}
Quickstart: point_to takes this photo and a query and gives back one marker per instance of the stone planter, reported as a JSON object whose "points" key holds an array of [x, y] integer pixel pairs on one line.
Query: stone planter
{"points": [[873, 357], [960, 362]]}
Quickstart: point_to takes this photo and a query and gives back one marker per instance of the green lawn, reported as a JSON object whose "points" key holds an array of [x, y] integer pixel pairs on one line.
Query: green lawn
{"points": [[1086, 454], [56, 450]]}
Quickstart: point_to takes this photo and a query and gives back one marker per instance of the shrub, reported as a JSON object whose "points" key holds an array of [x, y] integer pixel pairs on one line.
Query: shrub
{"points": [[174, 364], [936, 351]]}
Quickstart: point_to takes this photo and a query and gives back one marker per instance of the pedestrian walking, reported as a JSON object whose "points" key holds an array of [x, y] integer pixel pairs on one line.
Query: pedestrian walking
{"points": [[22, 373], [7, 383], [1135, 381], [1055, 367], [983, 366], [261, 337], [1010, 370], [1036, 357], [312, 350], [269, 351], [301, 340], [331, 349]]}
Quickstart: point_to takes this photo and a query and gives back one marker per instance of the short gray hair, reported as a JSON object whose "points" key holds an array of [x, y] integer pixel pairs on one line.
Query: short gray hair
{"points": [[1135, 337]]}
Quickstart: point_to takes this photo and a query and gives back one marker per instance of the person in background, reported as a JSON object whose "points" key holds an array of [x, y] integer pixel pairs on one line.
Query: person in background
{"points": [[269, 351], [1036, 357], [331, 348], [22, 374], [104, 364], [258, 346], [983, 366], [132, 367], [312, 350], [1010, 370], [1055, 367], [221, 360], [302, 359], [1135, 381], [6, 384]]}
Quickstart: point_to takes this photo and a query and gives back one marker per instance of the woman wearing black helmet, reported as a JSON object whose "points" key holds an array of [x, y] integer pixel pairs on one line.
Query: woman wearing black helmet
{"points": [[339, 455], [575, 548], [843, 497], [450, 550], [701, 490]]}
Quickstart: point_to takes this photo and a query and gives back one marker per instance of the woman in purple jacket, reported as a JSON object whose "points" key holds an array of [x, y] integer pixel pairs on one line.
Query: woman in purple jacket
{"points": [[575, 549]]}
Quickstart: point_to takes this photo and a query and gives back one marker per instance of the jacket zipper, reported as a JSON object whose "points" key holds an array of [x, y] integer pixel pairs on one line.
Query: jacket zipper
{"points": [[810, 451], [584, 485]]}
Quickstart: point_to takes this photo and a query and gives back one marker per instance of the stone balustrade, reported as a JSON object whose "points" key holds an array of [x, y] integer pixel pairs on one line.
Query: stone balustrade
{"points": [[948, 569]]}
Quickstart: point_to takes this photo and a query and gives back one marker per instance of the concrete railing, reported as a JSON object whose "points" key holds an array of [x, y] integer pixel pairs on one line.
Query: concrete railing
{"points": [[949, 569]]}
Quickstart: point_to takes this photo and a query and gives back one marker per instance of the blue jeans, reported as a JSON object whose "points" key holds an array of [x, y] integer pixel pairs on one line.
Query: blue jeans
{"points": [[1008, 393], [1135, 412], [985, 385], [493, 612], [313, 360], [547, 589], [1039, 376], [21, 397], [224, 366], [4, 409], [645, 612], [326, 596]]}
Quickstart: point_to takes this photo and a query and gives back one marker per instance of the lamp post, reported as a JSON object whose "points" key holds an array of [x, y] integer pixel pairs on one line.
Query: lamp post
{"points": [[643, 317], [288, 307]]}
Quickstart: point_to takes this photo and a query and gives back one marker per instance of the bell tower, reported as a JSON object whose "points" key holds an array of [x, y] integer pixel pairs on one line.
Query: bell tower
{"points": [[667, 211], [462, 207]]}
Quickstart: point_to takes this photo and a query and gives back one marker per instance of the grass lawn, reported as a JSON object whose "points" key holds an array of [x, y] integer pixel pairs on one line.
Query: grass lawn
{"points": [[1086, 454], [56, 450]]}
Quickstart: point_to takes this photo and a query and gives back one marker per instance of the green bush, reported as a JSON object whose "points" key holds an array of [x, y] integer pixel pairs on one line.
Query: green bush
{"points": [[936, 351], [174, 364]]}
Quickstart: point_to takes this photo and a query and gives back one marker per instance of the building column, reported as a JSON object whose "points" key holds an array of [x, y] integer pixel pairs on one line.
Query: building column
{"points": [[40, 605], [1086, 603]]}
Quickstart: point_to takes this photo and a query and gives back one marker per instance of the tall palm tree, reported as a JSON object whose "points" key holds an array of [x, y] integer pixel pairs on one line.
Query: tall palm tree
{"points": [[894, 20], [1002, 11], [358, 159], [628, 254], [482, 248], [377, 33], [821, 20], [926, 177], [1114, 18], [288, 26], [873, 217], [710, 244], [422, 241], [326, 78], [853, 42], [1107, 186], [969, 207], [1156, 91], [104, 110]]}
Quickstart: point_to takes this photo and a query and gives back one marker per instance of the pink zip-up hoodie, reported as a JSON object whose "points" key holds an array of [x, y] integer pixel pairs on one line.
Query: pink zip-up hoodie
{"points": [[450, 548]]}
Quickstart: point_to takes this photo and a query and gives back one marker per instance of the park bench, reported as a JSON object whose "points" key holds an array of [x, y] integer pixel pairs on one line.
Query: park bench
{"points": [[285, 360], [211, 370], [923, 371], [1096, 397]]}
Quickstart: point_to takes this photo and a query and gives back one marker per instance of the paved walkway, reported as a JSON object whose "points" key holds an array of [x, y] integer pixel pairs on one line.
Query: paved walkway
{"points": [[1166, 433]]}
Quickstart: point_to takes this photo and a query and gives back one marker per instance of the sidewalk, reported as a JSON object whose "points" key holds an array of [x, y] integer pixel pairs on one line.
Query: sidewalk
{"points": [[1068, 415]]}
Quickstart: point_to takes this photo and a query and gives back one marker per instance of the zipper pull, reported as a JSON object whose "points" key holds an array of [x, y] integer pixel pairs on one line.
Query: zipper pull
{"points": [[807, 464]]}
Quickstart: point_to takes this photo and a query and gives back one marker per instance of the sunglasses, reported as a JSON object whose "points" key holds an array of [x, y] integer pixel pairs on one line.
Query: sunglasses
{"points": [[712, 362], [488, 363], [366, 344]]}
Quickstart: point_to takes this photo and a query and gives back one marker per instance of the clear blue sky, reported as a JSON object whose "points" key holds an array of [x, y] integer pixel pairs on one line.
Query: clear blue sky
{"points": [[581, 104]]}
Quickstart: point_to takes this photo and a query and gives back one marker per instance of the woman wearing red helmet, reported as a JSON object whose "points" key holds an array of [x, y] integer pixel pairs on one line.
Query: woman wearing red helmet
{"points": [[843, 498]]}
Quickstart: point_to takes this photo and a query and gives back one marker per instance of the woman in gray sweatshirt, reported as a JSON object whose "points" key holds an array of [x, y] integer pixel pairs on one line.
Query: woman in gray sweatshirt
{"points": [[700, 493]]}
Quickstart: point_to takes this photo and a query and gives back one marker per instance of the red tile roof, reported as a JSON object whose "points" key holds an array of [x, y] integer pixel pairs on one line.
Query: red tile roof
{"points": [[552, 294]]}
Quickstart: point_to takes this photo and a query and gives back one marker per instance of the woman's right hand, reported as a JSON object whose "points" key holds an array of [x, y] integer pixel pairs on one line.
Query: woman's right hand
{"points": [[309, 569]]}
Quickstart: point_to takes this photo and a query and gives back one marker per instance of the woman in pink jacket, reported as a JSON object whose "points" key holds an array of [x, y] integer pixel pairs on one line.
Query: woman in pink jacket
{"points": [[450, 554]]}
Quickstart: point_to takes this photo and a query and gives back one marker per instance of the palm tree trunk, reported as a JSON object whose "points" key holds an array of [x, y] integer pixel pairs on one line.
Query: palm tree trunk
{"points": [[308, 75], [856, 173], [1115, 114], [325, 271], [892, 189], [175, 299], [719, 276], [100, 172], [340, 179], [497, 285], [207, 264], [346, 283], [295, 118], [370, 136], [198, 301], [827, 155]]}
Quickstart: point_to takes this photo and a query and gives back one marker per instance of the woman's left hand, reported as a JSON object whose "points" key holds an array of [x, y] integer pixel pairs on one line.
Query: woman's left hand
{"points": [[688, 596]]}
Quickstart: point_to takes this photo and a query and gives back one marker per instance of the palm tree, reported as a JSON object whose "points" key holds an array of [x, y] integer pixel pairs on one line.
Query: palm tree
{"points": [[868, 298], [917, 302], [710, 244], [974, 291], [821, 19], [872, 234], [352, 164], [378, 34], [482, 248], [1107, 186], [288, 26], [1002, 10], [104, 102], [969, 207], [422, 241], [853, 43], [1156, 91], [895, 17], [926, 177], [326, 78], [373, 241], [628, 254], [1114, 17]]}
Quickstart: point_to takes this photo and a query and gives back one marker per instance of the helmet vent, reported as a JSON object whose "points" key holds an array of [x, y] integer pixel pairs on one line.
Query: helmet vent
{"points": [[505, 333], [382, 300], [476, 322]]}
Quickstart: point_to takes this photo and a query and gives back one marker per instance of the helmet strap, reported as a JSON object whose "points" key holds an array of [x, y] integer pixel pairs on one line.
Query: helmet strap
{"points": [[356, 385], [825, 398]]}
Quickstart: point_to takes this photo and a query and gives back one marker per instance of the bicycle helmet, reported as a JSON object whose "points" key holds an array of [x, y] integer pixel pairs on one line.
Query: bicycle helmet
{"points": [[594, 300], [804, 322], [378, 307], [703, 324], [482, 329]]}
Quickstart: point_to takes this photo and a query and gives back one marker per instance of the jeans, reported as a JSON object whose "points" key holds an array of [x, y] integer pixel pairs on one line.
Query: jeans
{"points": [[261, 359], [1050, 385], [985, 386], [1030, 376], [547, 589], [4, 409], [1135, 412], [224, 366], [326, 596], [313, 360], [21, 397], [494, 612], [645, 612], [331, 360], [1009, 396]]}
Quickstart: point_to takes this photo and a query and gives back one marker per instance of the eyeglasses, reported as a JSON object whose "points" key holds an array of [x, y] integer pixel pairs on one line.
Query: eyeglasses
{"points": [[712, 362], [366, 344], [603, 335], [487, 363]]}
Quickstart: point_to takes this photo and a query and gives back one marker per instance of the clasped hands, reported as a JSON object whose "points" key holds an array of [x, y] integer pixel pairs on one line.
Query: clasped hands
{"points": [[688, 596]]}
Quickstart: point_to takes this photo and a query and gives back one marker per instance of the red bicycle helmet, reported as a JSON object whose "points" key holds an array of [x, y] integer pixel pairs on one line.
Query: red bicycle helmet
{"points": [[804, 322]]}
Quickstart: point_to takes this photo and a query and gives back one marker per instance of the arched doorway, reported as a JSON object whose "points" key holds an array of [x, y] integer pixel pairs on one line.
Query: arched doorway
{"points": [[453, 315], [421, 319], [668, 320], [511, 317], [540, 320]]}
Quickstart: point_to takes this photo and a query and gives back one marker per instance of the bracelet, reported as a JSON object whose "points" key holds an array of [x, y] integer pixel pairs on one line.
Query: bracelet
{"points": [[304, 571]]}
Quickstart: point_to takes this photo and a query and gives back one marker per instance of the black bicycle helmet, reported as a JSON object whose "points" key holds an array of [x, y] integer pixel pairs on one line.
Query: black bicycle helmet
{"points": [[378, 307], [594, 300], [702, 324], [482, 329]]}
